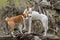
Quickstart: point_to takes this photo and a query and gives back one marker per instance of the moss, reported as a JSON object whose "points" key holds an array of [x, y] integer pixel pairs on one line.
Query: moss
{"points": [[4, 2], [59, 18]]}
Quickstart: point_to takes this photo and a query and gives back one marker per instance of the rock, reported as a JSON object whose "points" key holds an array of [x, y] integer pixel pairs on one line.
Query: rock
{"points": [[45, 4], [57, 5]]}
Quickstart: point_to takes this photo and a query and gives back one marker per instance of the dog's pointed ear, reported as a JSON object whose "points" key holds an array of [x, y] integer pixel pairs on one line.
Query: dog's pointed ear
{"points": [[30, 10], [26, 10]]}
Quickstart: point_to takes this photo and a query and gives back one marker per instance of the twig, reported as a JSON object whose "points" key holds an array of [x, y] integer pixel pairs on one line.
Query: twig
{"points": [[53, 30]]}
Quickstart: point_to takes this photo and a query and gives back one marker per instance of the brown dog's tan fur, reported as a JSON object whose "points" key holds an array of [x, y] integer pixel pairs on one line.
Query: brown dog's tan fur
{"points": [[16, 19]]}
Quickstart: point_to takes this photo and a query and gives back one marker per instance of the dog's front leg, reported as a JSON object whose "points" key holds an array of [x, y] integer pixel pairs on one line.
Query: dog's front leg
{"points": [[30, 22], [20, 28], [24, 24]]}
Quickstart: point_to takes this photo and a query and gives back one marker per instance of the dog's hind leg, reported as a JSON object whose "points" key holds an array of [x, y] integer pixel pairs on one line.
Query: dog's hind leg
{"points": [[45, 25], [20, 28], [11, 25]]}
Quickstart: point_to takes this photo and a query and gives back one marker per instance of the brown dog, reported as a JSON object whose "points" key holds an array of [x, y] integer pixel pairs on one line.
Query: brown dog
{"points": [[20, 19]]}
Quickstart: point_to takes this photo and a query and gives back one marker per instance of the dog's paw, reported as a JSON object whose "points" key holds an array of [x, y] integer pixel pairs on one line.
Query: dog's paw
{"points": [[13, 36], [44, 35], [29, 32]]}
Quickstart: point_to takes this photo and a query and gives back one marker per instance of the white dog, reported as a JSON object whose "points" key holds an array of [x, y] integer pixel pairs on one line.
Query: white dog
{"points": [[34, 15]]}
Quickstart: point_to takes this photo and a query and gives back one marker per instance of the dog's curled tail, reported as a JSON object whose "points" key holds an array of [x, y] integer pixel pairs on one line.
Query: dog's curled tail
{"points": [[7, 18]]}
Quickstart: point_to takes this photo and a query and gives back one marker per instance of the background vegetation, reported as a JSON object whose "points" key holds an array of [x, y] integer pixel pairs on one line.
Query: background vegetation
{"points": [[16, 7]]}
